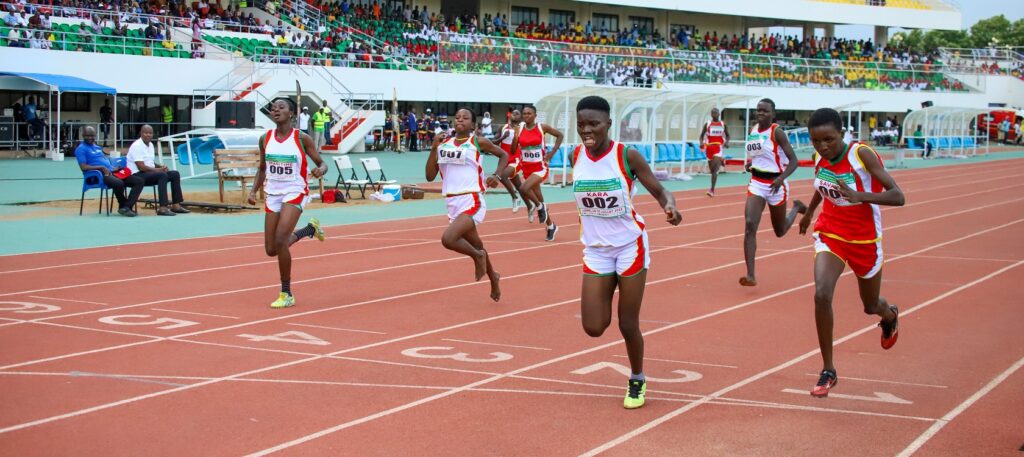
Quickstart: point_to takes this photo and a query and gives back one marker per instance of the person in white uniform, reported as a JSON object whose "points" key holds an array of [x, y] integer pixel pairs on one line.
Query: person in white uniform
{"points": [[457, 159], [770, 160], [283, 176], [615, 247]]}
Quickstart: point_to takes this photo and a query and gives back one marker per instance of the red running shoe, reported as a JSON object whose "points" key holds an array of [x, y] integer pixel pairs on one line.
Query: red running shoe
{"points": [[826, 381], [890, 330]]}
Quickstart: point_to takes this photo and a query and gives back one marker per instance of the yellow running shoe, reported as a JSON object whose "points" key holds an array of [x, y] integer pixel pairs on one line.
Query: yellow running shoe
{"points": [[284, 300], [319, 232], [635, 394]]}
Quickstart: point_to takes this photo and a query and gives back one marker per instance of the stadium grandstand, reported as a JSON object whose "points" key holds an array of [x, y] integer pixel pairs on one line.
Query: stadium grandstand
{"points": [[461, 205]]}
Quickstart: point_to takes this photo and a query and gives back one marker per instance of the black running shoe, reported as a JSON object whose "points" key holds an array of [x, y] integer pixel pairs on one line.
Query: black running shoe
{"points": [[890, 330], [826, 382], [551, 232]]}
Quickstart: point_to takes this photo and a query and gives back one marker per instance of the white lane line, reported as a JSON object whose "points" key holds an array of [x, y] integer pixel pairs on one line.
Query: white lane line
{"points": [[918, 221], [898, 173], [948, 417], [914, 384], [648, 426], [684, 361], [69, 300], [86, 374], [461, 325], [127, 279], [338, 328], [192, 312], [495, 344], [400, 408]]}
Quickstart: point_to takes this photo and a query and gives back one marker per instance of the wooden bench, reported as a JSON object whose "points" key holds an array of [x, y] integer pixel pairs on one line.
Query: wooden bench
{"points": [[240, 165]]}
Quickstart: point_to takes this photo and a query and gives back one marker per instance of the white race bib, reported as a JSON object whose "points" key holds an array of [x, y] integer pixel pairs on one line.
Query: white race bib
{"points": [[601, 198], [533, 154], [452, 156]]}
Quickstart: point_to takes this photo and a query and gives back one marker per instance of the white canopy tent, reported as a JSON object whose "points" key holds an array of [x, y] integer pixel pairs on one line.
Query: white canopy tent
{"points": [[639, 116], [952, 131]]}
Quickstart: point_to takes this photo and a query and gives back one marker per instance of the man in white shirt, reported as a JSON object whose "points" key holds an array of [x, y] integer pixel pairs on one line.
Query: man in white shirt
{"points": [[304, 120], [140, 160]]}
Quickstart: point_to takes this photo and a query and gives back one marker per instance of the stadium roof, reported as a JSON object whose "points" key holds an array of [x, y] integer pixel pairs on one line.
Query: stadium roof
{"points": [[671, 109], [59, 83]]}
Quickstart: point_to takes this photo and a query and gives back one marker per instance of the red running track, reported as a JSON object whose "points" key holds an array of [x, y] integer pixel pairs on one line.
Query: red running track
{"points": [[170, 349]]}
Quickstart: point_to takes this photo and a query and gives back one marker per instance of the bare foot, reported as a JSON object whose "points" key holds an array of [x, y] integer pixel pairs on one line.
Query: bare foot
{"points": [[748, 282], [481, 265], [799, 206], [495, 289]]}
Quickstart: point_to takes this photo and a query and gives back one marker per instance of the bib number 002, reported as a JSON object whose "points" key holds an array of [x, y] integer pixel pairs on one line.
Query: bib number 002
{"points": [[600, 202]]}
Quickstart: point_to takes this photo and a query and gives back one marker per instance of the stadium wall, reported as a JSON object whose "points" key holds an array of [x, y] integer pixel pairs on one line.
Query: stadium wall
{"points": [[169, 76]]}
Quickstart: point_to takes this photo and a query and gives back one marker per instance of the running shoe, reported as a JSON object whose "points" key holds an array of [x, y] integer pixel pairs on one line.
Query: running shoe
{"points": [[516, 203], [826, 382], [529, 212], [635, 394], [710, 193], [890, 330], [318, 231], [551, 232], [542, 214], [284, 300]]}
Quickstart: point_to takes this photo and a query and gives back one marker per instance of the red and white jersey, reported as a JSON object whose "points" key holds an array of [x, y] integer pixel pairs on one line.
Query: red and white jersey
{"points": [[531, 143], [715, 133], [763, 152], [506, 142], [840, 219], [286, 164], [604, 192], [460, 166]]}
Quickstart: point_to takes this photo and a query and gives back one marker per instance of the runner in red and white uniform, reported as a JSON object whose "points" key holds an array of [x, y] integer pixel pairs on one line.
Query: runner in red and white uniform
{"points": [[457, 159], [283, 177], [534, 157], [714, 136], [512, 183], [616, 252], [770, 160], [852, 181]]}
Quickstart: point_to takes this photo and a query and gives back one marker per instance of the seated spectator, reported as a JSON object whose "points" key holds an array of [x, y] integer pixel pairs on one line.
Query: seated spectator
{"points": [[91, 157], [140, 161], [14, 39]]}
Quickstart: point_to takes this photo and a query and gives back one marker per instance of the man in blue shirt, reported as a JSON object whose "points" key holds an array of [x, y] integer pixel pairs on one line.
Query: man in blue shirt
{"points": [[32, 118], [412, 126], [91, 157]]}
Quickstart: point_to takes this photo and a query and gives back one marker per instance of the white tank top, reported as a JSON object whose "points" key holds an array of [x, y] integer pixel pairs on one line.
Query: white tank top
{"points": [[604, 197], [286, 164], [460, 166], [763, 152], [507, 141]]}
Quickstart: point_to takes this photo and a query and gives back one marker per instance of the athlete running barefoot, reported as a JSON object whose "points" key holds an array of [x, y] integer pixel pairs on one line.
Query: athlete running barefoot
{"points": [[769, 167], [615, 247], [458, 161], [852, 181], [512, 183], [529, 141], [282, 175], [714, 136]]}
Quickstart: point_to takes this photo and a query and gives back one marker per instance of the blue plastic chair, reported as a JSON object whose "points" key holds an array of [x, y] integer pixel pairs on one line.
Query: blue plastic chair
{"points": [[556, 160], [204, 153], [969, 142], [183, 156], [93, 179], [955, 142]]}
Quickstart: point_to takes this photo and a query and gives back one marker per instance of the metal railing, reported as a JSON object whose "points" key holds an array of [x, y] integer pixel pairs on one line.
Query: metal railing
{"points": [[127, 17], [619, 65], [85, 41]]}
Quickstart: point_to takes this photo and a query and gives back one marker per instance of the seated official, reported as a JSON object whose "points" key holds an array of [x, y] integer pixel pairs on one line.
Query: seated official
{"points": [[91, 157], [140, 161]]}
